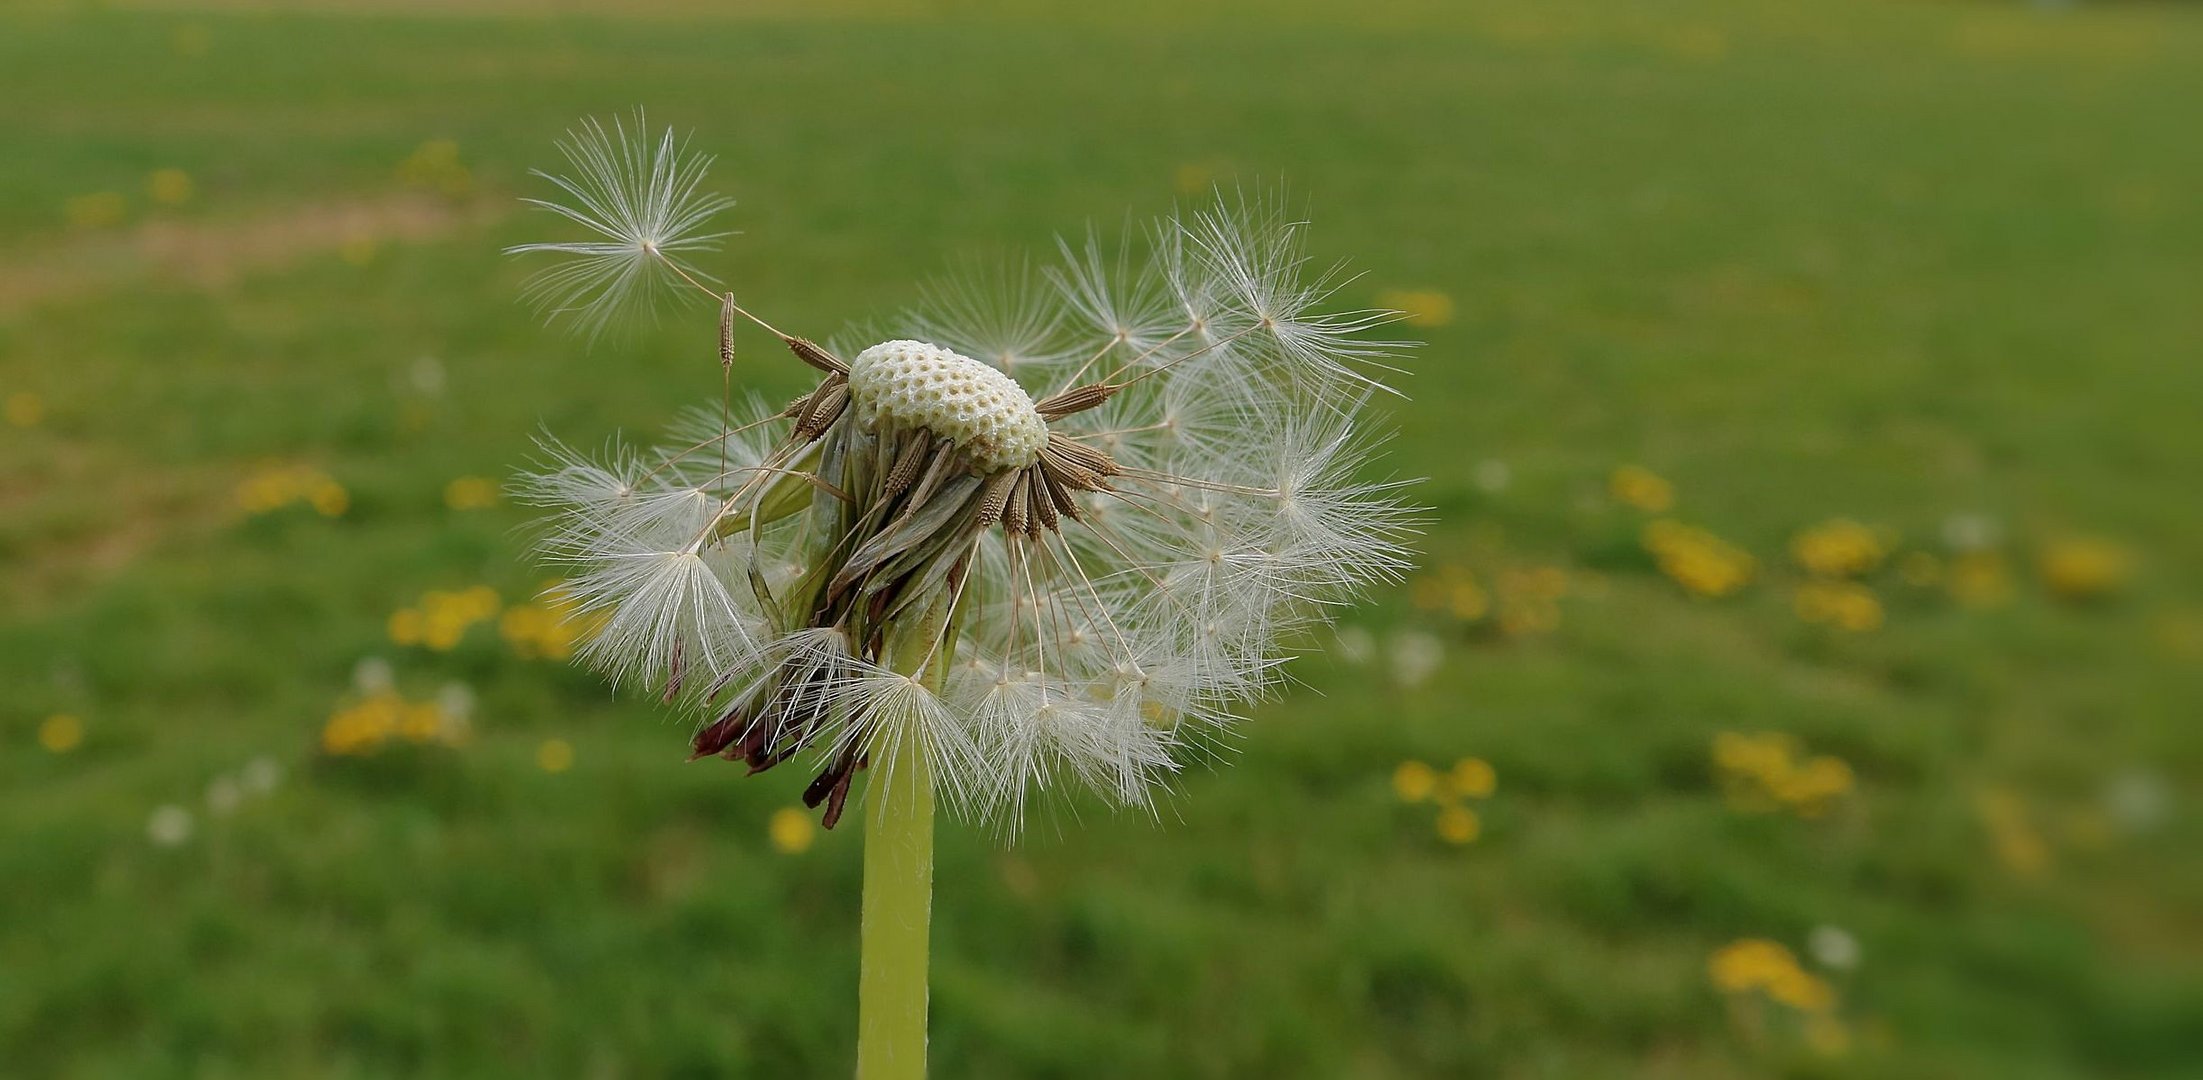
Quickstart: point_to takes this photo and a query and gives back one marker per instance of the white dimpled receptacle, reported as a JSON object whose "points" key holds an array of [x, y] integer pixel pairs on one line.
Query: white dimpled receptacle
{"points": [[914, 384]]}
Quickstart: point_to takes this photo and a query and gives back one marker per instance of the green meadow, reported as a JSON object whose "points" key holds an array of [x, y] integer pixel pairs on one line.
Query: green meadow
{"points": [[1746, 795]]}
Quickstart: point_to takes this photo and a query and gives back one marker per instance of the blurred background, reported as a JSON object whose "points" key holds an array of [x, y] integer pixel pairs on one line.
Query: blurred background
{"points": [[1802, 679]]}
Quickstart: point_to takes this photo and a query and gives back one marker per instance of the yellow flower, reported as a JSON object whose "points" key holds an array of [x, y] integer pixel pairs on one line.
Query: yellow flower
{"points": [[2014, 838], [1979, 579], [2084, 568], [1459, 825], [1757, 964], [1839, 548], [61, 733], [330, 499], [169, 187], [1472, 778], [554, 756], [1698, 560], [1414, 781], [95, 211], [24, 409], [1845, 605], [791, 831], [470, 493], [435, 164], [406, 627], [1452, 590], [1765, 772], [1637, 486], [1419, 307]]}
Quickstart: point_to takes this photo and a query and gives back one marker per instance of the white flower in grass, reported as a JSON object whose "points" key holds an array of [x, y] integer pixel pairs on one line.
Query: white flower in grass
{"points": [[1059, 528], [169, 826]]}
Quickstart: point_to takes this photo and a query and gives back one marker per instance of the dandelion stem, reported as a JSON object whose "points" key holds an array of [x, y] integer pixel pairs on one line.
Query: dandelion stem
{"points": [[895, 937]]}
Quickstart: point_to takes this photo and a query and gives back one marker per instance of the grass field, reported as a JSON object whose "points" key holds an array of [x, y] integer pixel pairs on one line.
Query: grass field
{"points": [[1931, 267]]}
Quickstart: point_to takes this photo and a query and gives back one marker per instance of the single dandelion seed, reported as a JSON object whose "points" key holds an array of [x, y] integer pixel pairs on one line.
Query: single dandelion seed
{"points": [[1058, 531], [643, 201]]}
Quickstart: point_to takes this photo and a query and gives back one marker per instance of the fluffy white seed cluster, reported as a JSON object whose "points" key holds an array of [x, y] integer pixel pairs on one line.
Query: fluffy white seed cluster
{"points": [[916, 385], [1105, 649]]}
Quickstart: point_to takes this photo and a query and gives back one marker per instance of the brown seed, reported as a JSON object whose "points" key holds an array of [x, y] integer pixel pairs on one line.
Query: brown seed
{"points": [[1014, 510], [726, 332], [1044, 510], [1077, 399], [907, 464], [810, 352], [995, 495], [827, 403], [1058, 493]]}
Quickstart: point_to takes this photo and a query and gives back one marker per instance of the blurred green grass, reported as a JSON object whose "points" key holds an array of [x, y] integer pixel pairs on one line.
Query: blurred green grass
{"points": [[1900, 262]]}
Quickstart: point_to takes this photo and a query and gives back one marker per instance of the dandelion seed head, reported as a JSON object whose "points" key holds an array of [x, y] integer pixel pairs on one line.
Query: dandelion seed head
{"points": [[1061, 537], [914, 384]]}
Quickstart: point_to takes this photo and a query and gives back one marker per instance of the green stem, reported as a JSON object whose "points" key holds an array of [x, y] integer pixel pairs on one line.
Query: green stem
{"points": [[898, 911]]}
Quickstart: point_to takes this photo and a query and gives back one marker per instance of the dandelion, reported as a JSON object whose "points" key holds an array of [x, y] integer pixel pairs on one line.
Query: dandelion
{"points": [[1355, 645], [791, 831], [554, 756], [61, 733], [1414, 781], [1846, 605], [1416, 656], [1641, 488], [1979, 579], [1839, 548], [1767, 967], [224, 795], [1833, 947], [971, 577], [169, 826], [1419, 307], [23, 409], [435, 164], [1453, 590], [1458, 825], [645, 203], [97, 210], [1769, 771], [2083, 569], [169, 187], [470, 493], [261, 775], [1472, 778], [1699, 561], [1492, 476]]}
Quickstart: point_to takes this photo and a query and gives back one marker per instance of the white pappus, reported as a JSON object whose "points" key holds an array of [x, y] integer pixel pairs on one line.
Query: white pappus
{"points": [[1066, 527]]}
